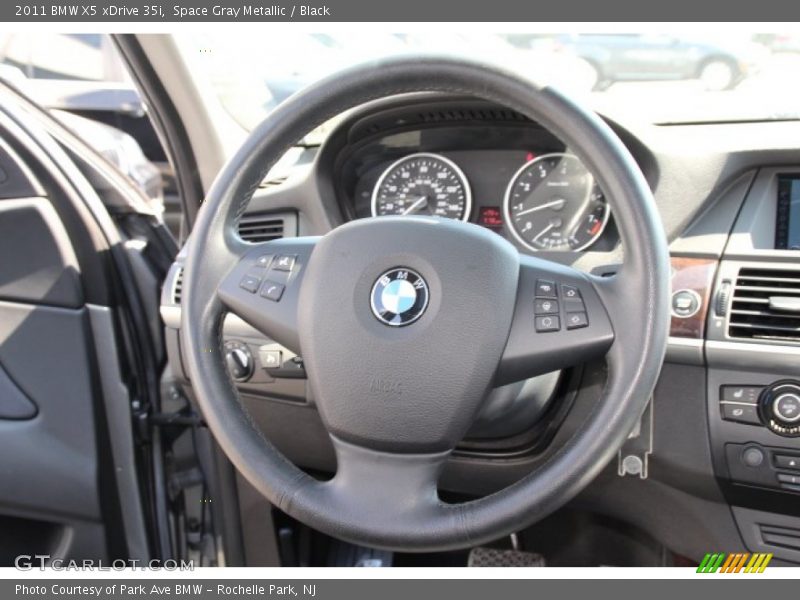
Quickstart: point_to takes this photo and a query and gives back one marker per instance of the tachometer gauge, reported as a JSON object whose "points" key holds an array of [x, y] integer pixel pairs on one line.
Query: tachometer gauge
{"points": [[553, 203], [422, 184]]}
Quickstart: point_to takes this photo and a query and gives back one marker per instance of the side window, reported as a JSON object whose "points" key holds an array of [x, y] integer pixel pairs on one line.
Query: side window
{"points": [[83, 81], [81, 57]]}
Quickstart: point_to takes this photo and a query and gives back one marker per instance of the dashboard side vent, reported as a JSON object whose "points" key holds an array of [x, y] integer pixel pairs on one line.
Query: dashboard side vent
{"points": [[782, 537], [177, 287], [766, 305], [261, 228]]}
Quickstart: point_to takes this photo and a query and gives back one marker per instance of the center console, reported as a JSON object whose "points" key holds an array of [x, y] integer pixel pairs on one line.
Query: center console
{"points": [[753, 356]]}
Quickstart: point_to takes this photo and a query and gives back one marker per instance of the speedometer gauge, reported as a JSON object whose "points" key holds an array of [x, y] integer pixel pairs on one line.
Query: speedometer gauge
{"points": [[422, 184], [553, 203]]}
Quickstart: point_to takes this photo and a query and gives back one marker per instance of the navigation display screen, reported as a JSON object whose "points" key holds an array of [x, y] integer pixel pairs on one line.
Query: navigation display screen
{"points": [[787, 221]]}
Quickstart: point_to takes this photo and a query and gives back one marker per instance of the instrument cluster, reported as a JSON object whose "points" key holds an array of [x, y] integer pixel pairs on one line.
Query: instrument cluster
{"points": [[540, 199]]}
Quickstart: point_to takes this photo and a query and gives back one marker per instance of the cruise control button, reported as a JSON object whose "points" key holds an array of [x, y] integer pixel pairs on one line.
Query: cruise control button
{"points": [[783, 461], [272, 291], [545, 306], [284, 262], [547, 323], [568, 291], [250, 283], [545, 289], [740, 393], [741, 413], [577, 320]]}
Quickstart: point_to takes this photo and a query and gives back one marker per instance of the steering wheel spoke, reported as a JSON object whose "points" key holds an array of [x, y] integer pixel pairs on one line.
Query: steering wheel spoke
{"points": [[264, 286], [406, 481], [560, 320]]}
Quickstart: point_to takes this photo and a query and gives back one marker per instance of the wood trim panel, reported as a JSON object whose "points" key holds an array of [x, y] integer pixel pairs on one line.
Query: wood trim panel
{"points": [[696, 274]]}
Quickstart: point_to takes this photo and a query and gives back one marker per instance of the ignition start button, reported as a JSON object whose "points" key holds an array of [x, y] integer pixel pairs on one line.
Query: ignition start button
{"points": [[685, 303]]}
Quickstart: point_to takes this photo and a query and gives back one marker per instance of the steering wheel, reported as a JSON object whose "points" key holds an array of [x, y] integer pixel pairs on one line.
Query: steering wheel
{"points": [[405, 323]]}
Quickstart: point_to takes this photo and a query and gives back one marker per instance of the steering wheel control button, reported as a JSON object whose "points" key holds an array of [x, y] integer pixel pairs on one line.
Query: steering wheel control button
{"points": [[284, 262], [545, 306], [250, 283], [264, 260], [787, 407], [685, 303], [570, 293], [577, 320], [752, 457], [740, 413], [399, 297], [783, 461], [548, 323], [545, 289], [740, 393], [573, 302], [272, 290], [574, 305]]}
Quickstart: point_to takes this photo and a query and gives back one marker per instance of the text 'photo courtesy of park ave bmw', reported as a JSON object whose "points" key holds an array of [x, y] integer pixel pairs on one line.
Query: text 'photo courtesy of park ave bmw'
{"points": [[377, 295]]}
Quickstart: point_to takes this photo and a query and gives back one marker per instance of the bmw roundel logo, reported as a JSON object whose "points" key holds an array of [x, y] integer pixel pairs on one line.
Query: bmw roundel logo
{"points": [[399, 297]]}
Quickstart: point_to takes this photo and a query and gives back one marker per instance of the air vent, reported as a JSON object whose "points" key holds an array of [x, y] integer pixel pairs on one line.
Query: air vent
{"points": [[177, 287], [781, 537], [261, 228], [471, 114], [766, 305]]}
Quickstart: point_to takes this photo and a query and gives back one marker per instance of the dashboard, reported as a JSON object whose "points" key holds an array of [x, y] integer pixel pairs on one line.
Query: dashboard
{"points": [[722, 437]]}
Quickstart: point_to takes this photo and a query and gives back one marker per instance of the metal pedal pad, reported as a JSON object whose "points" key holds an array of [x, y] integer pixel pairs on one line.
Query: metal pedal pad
{"points": [[490, 557]]}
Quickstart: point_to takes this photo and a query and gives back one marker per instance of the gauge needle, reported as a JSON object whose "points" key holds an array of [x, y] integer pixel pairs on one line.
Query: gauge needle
{"points": [[545, 230], [555, 204], [575, 222], [421, 203]]}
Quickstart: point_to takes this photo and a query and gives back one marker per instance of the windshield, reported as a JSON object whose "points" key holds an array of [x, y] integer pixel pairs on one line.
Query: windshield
{"points": [[654, 77]]}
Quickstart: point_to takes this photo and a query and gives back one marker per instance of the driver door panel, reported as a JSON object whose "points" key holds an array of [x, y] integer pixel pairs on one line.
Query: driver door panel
{"points": [[53, 486]]}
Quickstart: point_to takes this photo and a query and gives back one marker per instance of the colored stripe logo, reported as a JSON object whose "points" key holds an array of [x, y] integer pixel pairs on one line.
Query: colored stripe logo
{"points": [[739, 562]]}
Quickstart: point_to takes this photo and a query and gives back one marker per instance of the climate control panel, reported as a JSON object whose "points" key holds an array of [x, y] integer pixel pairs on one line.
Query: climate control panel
{"points": [[775, 406], [755, 433]]}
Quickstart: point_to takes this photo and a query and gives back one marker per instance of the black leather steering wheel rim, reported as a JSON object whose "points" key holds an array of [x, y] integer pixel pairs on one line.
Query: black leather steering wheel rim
{"points": [[383, 498]]}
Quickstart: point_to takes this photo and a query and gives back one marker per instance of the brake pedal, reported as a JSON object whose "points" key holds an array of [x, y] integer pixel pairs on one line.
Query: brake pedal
{"points": [[491, 557]]}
